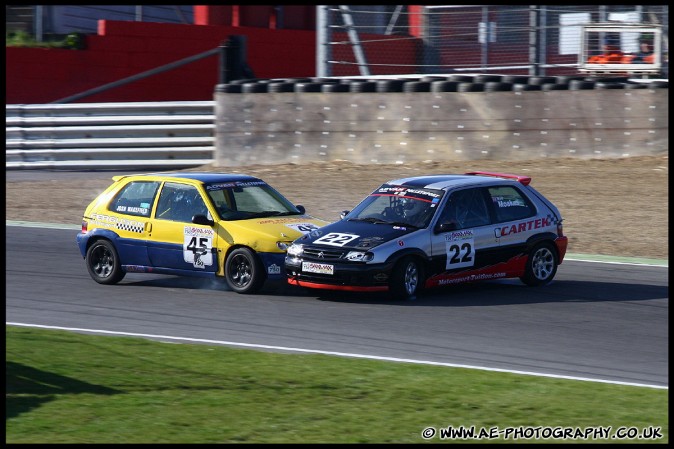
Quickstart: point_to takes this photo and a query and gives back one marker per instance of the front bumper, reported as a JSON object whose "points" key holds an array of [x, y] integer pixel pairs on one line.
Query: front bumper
{"points": [[273, 264], [355, 276]]}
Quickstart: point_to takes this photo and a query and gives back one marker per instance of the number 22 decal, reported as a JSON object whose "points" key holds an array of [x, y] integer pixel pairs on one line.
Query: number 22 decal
{"points": [[460, 254], [336, 239]]}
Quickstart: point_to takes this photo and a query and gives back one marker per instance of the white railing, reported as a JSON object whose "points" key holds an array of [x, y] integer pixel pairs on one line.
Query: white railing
{"points": [[110, 135]]}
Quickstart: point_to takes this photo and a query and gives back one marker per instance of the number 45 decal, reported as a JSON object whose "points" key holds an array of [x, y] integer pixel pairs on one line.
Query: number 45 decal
{"points": [[460, 254], [197, 250]]}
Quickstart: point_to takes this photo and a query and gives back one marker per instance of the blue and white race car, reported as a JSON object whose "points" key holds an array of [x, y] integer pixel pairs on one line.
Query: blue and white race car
{"points": [[434, 230]]}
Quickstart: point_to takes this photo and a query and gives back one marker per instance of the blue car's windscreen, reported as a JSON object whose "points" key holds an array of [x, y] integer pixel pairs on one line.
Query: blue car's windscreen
{"points": [[398, 205]]}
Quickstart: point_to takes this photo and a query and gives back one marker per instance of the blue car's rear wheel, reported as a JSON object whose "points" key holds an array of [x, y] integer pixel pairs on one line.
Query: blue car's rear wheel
{"points": [[103, 263], [541, 265], [243, 271]]}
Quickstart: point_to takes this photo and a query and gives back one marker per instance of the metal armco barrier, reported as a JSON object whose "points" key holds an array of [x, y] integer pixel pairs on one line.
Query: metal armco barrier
{"points": [[110, 135]]}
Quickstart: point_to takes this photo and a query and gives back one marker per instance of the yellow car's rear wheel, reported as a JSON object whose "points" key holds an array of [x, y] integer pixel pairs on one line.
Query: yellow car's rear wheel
{"points": [[103, 262]]}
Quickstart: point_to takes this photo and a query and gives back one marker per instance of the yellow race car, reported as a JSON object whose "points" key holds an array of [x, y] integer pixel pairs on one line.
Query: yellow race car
{"points": [[191, 224]]}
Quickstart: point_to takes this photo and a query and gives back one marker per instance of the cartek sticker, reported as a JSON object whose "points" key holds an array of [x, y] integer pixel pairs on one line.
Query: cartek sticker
{"points": [[197, 246], [460, 248], [336, 239], [118, 223], [521, 227], [304, 228]]}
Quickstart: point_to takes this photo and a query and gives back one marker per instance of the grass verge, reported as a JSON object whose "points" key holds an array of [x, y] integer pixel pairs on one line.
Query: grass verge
{"points": [[64, 387]]}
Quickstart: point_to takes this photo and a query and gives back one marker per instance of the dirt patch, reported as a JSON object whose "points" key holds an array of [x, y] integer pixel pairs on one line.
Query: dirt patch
{"points": [[610, 206]]}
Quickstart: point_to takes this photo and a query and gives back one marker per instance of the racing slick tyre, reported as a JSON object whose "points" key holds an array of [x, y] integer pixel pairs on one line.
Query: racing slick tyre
{"points": [[541, 265], [406, 279], [103, 263], [243, 271]]}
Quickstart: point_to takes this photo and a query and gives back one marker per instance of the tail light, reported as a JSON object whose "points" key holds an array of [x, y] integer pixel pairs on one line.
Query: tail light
{"points": [[85, 226], [560, 229]]}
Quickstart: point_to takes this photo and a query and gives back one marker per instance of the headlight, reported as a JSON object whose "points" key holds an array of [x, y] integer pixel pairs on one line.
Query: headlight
{"points": [[295, 250], [359, 256]]}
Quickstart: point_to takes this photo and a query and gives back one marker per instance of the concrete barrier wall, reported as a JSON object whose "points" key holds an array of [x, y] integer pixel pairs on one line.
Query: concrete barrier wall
{"points": [[271, 128]]}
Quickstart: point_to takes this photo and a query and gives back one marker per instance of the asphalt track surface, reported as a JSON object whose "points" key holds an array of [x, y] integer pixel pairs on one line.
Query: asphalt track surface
{"points": [[598, 321]]}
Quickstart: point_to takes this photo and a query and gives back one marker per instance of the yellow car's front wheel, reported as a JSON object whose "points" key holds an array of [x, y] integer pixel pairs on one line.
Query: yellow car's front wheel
{"points": [[243, 271]]}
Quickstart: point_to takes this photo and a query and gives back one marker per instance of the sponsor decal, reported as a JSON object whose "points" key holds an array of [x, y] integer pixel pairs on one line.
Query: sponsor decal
{"points": [[510, 203], [197, 246], [124, 224], [273, 269], [522, 227], [135, 268], [321, 268], [226, 185], [276, 220], [471, 278], [380, 277], [312, 234], [336, 239], [512, 268], [136, 210], [466, 234], [367, 242], [404, 191]]}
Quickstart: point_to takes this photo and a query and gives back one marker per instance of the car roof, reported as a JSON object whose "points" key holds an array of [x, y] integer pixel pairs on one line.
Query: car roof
{"points": [[206, 178], [446, 182]]}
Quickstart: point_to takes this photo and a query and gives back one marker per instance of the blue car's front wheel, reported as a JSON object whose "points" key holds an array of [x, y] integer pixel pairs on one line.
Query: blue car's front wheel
{"points": [[406, 279], [103, 262]]}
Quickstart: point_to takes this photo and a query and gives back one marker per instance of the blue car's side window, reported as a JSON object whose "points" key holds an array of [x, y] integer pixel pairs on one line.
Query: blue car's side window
{"points": [[510, 204]]}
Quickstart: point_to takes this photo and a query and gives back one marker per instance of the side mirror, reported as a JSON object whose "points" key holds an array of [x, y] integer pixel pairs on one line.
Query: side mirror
{"points": [[445, 227], [300, 208], [344, 214], [202, 220]]}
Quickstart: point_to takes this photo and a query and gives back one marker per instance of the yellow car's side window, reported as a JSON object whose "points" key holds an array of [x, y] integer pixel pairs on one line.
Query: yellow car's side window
{"points": [[180, 202], [135, 198]]}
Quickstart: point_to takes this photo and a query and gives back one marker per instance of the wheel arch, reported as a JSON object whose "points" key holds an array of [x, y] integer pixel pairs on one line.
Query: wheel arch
{"points": [[100, 234], [414, 252], [547, 237]]}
